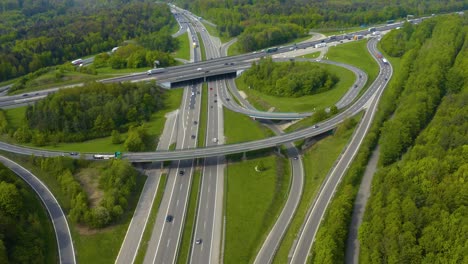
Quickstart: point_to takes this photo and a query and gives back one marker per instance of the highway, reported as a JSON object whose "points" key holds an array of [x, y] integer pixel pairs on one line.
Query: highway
{"points": [[167, 231], [57, 216], [129, 249], [315, 216], [208, 225]]}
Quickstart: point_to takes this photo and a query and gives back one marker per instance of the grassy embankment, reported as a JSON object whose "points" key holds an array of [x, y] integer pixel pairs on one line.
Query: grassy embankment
{"points": [[203, 116], [151, 220], [155, 128], [253, 202], [241, 128], [318, 161], [183, 52]]}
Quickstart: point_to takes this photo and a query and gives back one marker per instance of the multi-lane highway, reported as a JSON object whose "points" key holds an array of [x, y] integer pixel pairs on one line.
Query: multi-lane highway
{"points": [[312, 223], [59, 221]]}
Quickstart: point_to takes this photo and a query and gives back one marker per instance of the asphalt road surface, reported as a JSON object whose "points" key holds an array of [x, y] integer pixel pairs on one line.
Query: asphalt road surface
{"points": [[59, 221]]}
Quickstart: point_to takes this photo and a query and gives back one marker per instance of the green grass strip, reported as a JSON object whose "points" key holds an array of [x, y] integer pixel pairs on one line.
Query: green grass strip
{"points": [[203, 116], [254, 201], [183, 51], [190, 219], [151, 219], [202, 47], [236, 126], [318, 161]]}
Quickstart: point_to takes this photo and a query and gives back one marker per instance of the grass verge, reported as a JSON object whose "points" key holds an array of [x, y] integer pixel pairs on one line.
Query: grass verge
{"points": [[151, 220], [241, 128], [318, 161], [312, 55], [190, 219], [254, 201], [155, 128], [203, 116], [215, 33], [307, 103], [183, 51]]}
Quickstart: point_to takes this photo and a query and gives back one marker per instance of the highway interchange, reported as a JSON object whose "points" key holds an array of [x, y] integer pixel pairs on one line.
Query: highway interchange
{"points": [[166, 235]]}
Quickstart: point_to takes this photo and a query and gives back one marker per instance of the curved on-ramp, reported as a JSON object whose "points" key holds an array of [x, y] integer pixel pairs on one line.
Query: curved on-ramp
{"points": [[59, 221]]}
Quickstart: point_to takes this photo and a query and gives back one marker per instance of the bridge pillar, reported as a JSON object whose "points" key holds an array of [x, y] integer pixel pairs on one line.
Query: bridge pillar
{"points": [[244, 156]]}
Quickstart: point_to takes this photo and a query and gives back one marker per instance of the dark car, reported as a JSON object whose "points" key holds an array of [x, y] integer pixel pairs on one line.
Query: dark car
{"points": [[25, 94], [195, 122], [193, 136], [73, 153], [386, 78], [169, 218], [181, 172], [355, 85], [211, 88], [315, 126], [215, 101]]}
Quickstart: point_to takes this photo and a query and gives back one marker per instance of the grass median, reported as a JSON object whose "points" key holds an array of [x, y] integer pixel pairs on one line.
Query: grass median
{"points": [[151, 220], [254, 200], [190, 219], [318, 160], [202, 47], [241, 128], [203, 116]]}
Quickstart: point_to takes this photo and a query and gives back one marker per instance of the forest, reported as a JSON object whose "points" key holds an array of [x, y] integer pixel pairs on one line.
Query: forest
{"points": [[92, 111], [417, 212], [407, 204], [116, 183], [288, 79], [23, 233], [236, 18], [32, 37]]}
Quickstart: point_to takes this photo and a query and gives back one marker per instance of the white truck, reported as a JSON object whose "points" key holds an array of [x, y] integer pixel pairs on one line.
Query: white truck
{"points": [[320, 45], [154, 71]]}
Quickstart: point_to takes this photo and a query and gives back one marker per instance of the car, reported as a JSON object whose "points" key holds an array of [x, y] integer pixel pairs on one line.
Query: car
{"points": [[73, 153], [296, 158], [227, 99], [193, 136], [215, 140], [386, 78], [215, 95], [181, 172], [232, 63], [211, 88], [315, 126], [25, 94], [195, 122], [199, 69], [169, 218], [36, 94], [355, 85], [198, 241], [215, 101], [226, 63]]}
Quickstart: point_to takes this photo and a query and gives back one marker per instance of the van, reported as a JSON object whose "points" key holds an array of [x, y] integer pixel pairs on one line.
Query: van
{"points": [[154, 71]]}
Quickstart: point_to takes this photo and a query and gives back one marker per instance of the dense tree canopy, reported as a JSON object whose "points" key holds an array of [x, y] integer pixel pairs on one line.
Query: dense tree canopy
{"points": [[233, 17], [290, 79], [23, 234], [417, 212], [117, 180], [91, 111], [35, 34]]}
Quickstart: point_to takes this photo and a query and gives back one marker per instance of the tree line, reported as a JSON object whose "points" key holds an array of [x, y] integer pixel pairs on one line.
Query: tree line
{"points": [[289, 79], [236, 18], [92, 111], [53, 36], [24, 224], [116, 182], [332, 235]]}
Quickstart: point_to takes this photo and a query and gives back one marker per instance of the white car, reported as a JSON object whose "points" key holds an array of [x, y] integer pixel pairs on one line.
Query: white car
{"points": [[199, 69], [215, 140]]}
